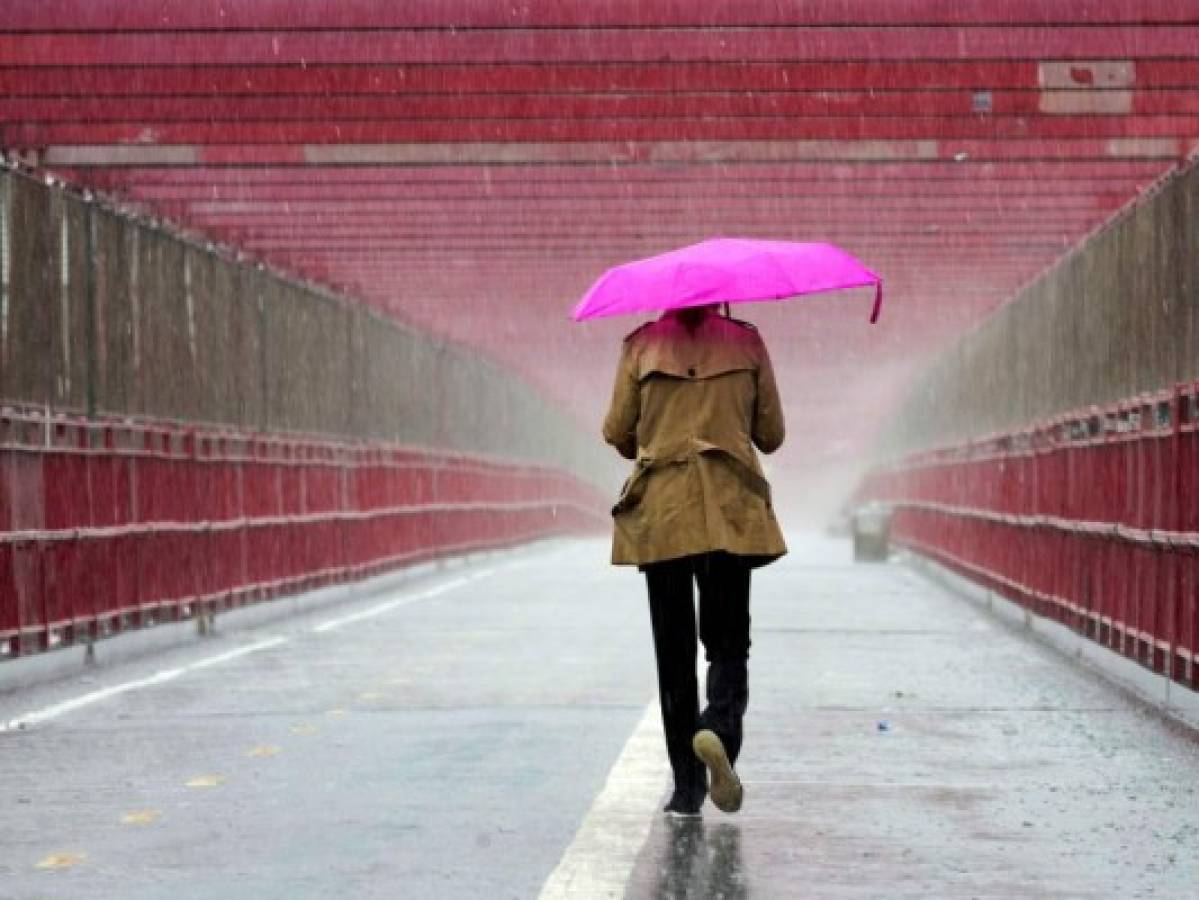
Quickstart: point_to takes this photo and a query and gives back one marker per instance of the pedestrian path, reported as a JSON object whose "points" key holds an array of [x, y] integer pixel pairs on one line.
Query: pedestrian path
{"points": [[903, 744], [489, 732]]}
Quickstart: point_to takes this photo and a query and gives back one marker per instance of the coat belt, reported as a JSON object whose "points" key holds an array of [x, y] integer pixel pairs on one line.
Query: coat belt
{"points": [[634, 487]]}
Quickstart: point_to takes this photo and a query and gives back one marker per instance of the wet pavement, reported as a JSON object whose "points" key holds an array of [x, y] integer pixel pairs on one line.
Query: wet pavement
{"points": [[489, 732]]}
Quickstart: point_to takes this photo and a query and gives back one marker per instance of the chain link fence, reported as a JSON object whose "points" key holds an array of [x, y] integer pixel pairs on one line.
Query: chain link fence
{"points": [[102, 313]]}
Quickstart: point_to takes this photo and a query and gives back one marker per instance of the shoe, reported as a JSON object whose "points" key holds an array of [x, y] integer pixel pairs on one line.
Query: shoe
{"points": [[725, 787], [684, 805]]}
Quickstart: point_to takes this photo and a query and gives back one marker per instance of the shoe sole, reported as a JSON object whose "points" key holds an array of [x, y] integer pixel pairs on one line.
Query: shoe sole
{"points": [[725, 790]]}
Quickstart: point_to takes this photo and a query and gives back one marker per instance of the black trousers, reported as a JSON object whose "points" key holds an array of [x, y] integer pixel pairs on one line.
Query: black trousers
{"points": [[723, 580]]}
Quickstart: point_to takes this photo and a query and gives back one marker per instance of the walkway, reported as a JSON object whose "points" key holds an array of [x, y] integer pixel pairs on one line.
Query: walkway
{"points": [[484, 732]]}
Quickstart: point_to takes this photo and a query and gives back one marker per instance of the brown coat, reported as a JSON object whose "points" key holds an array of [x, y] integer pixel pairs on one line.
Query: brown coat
{"points": [[686, 406]]}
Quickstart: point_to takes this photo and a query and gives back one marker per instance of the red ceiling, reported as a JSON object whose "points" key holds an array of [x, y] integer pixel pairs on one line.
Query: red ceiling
{"points": [[471, 166]]}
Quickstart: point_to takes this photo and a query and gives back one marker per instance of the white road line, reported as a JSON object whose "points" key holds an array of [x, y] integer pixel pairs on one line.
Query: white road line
{"points": [[600, 859], [53, 712], [233, 654], [387, 607]]}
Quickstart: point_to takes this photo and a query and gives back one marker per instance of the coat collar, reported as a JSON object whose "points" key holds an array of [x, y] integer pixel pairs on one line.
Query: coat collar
{"points": [[716, 347]]}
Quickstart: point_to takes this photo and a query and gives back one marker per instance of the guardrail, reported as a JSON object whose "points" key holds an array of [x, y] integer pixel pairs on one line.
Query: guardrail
{"points": [[1091, 518], [110, 524]]}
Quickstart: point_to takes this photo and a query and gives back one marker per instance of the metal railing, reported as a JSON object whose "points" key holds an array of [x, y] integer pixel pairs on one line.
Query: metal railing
{"points": [[1089, 518], [110, 524]]}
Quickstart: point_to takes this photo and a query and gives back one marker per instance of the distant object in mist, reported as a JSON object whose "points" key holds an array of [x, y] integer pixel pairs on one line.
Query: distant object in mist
{"points": [[871, 532], [726, 270]]}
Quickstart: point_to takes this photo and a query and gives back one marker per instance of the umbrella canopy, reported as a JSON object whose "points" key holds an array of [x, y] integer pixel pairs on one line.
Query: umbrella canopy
{"points": [[732, 270]]}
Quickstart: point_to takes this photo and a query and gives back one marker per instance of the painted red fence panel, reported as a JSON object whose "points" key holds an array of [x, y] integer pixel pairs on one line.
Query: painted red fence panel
{"points": [[1089, 519], [106, 525]]}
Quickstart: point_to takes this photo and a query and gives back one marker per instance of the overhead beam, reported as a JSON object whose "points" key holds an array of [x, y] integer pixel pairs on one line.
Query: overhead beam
{"points": [[535, 192], [923, 133], [1132, 107], [572, 45], [660, 204], [660, 152], [53, 79], [156, 15], [634, 174]]}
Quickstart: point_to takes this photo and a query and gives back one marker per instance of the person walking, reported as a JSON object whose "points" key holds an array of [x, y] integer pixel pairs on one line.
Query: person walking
{"points": [[694, 394]]}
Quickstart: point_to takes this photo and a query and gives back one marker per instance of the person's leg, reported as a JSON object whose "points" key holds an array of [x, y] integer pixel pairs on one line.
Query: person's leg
{"points": [[724, 629], [672, 613]]}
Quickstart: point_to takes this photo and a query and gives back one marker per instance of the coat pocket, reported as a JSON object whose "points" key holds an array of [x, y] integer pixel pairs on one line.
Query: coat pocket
{"points": [[632, 492]]}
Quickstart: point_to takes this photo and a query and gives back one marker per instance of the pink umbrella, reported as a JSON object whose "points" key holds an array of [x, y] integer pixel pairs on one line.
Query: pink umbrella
{"points": [[732, 270]]}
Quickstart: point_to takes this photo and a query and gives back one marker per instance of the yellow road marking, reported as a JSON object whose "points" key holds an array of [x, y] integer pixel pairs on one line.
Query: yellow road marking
{"points": [[141, 817], [336, 713], [62, 860], [371, 695], [265, 750], [203, 781], [306, 728]]}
